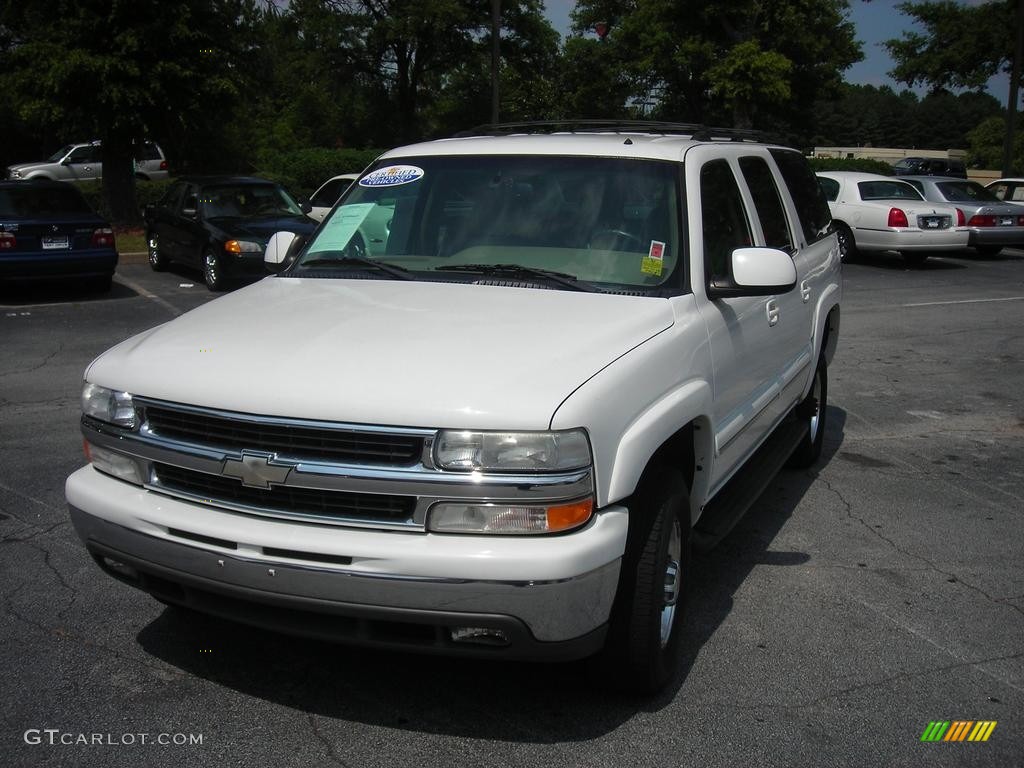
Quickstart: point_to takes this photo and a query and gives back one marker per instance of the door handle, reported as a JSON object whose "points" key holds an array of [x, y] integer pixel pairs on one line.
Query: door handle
{"points": [[805, 291], [772, 309]]}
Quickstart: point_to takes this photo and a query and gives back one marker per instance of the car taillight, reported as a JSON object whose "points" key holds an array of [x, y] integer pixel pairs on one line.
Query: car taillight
{"points": [[103, 238], [960, 218], [898, 218], [1020, 221], [7, 241], [982, 221], [163, 165]]}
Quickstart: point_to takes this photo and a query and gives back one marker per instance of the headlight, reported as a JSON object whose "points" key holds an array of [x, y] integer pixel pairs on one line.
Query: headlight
{"points": [[242, 246], [108, 405], [456, 517], [15, 174], [512, 451]]}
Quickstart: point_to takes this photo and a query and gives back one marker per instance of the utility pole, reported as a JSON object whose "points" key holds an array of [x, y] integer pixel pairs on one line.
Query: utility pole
{"points": [[496, 56], [1011, 102]]}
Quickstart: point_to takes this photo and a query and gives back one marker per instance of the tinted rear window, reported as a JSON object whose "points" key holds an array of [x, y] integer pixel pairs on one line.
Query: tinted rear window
{"points": [[965, 192], [30, 201], [887, 190], [811, 207]]}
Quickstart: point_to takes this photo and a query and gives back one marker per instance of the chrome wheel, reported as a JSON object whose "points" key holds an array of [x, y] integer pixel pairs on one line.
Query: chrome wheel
{"points": [[673, 581], [156, 261], [211, 270]]}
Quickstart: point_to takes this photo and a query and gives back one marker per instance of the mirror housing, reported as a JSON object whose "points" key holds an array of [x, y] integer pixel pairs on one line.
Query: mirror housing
{"points": [[305, 206], [755, 272], [281, 250]]}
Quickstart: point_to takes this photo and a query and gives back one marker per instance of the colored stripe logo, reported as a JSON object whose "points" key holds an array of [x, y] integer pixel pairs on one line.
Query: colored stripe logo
{"points": [[959, 730]]}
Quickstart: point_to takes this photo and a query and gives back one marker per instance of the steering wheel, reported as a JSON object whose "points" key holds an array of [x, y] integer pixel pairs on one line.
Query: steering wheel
{"points": [[614, 240]]}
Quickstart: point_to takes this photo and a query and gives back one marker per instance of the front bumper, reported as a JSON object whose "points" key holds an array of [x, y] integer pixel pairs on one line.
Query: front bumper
{"points": [[551, 596]]}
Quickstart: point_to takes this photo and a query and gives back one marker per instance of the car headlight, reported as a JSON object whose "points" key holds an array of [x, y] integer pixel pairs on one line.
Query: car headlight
{"points": [[498, 518], [108, 405], [512, 451], [242, 246]]}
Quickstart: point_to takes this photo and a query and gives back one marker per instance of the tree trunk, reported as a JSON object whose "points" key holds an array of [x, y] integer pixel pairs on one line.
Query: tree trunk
{"points": [[1011, 102], [119, 179]]}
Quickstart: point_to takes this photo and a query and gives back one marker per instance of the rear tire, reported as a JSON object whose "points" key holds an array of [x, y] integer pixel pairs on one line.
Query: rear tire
{"points": [[812, 409], [641, 654]]}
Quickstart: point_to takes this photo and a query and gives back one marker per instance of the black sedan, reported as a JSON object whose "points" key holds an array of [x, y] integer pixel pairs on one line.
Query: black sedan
{"points": [[49, 232], [220, 224]]}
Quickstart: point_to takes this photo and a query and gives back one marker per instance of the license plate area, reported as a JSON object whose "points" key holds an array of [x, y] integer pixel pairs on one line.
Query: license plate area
{"points": [[933, 222], [1006, 221], [55, 243]]}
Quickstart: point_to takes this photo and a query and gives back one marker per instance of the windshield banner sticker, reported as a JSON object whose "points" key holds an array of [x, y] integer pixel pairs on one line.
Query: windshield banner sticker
{"points": [[653, 262], [339, 228], [391, 176]]}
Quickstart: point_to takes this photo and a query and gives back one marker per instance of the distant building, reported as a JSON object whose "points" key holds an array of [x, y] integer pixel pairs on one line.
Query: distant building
{"points": [[888, 154]]}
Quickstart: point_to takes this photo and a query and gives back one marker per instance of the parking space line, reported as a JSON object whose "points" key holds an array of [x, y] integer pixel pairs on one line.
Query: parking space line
{"points": [[147, 294], [962, 301]]}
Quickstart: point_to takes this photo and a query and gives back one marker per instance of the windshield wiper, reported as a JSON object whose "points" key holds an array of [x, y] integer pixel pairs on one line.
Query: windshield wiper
{"points": [[562, 278], [399, 273]]}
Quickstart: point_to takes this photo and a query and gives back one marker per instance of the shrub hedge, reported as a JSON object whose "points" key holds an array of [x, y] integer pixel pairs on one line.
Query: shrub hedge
{"points": [[851, 164], [146, 193], [301, 171]]}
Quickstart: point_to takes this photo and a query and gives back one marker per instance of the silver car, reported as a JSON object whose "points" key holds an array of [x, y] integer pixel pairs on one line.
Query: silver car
{"points": [[993, 224], [84, 162]]}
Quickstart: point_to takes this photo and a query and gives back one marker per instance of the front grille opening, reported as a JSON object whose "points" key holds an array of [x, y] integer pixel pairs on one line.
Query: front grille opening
{"points": [[371, 507], [312, 557], [292, 440], [202, 539]]}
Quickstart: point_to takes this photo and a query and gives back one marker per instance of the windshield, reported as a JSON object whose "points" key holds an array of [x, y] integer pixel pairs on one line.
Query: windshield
{"points": [[887, 190], [57, 156], [30, 201], [966, 192], [596, 220], [246, 201]]}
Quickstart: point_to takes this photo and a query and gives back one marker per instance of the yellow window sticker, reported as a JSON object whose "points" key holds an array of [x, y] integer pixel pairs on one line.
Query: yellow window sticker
{"points": [[653, 263], [340, 227]]}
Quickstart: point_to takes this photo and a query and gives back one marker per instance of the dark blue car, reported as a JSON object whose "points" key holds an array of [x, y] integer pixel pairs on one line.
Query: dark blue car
{"points": [[220, 224], [49, 232]]}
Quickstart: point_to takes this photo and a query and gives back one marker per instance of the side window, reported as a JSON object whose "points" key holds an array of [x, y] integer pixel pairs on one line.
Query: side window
{"points": [[190, 202], [811, 207], [328, 195], [829, 187], [172, 195], [1017, 193], [999, 190], [86, 154], [723, 217], [767, 202]]}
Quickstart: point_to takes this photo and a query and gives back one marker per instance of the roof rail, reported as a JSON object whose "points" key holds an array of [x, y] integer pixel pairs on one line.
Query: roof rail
{"points": [[696, 131]]}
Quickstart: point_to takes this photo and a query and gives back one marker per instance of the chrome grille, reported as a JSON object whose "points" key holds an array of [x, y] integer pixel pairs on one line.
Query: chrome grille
{"points": [[300, 441], [331, 505]]}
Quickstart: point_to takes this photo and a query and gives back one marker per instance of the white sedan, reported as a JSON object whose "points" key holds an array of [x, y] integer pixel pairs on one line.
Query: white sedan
{"points": [[880, 213], [324, 198]]}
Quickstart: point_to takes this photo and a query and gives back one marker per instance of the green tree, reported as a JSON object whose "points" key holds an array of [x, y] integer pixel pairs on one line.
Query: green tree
{"points": [[749, 62], [986, 144], [124, 71]]}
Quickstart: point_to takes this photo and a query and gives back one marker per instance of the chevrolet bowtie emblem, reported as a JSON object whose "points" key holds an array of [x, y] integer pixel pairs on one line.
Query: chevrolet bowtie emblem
{"points": [[256, 470]]}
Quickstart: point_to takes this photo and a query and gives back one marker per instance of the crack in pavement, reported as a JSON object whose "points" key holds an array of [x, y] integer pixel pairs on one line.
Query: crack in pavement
{"points": [[328, 745], [60, 577], [13, 538], [47, 359], [948, 574]]}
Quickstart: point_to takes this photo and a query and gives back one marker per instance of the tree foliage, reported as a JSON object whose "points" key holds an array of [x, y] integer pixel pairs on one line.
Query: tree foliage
{"points": [[962, 46]]}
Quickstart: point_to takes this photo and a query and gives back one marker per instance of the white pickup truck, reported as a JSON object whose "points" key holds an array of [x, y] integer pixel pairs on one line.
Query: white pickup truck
{"points": [[488, 407]]}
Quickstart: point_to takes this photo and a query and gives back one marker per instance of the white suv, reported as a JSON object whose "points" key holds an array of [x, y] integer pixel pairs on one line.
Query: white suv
{"points": [[84, 162], [577, 355]]}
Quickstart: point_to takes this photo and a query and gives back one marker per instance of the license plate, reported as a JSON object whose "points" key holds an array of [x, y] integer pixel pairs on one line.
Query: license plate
{"points": [[54, 243], [1006, 221], [932, 223]]}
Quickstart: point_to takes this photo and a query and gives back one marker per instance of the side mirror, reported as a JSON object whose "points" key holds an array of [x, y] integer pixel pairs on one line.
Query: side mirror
{"points": [[755, 272], [281, 250], [305, 206]]}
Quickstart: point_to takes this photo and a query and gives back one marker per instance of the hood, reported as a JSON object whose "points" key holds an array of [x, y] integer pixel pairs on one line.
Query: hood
{"points": [[262, 228], [398, 353], [29, 166]]}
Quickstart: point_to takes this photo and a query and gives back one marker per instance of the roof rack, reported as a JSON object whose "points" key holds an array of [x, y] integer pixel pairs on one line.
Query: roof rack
{"points": [[696, 131]]}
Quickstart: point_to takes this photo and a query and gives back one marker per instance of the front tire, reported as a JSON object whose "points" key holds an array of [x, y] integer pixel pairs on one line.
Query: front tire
{"points": [[157, 261], [812, 409], [641, 654], [213, 271], [847, 245]]}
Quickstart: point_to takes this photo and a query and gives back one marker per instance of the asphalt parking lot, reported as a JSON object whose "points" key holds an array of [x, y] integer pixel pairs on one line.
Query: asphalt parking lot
{"points": [[854, 605]]}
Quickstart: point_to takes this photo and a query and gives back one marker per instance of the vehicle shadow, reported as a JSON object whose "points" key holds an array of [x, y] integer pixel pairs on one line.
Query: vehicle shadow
{"points": [[59, 292], [501, 701], [893, 261]]}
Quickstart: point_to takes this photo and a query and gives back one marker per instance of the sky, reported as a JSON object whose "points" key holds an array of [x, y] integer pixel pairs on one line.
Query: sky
{"points": [[875, 21]]}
